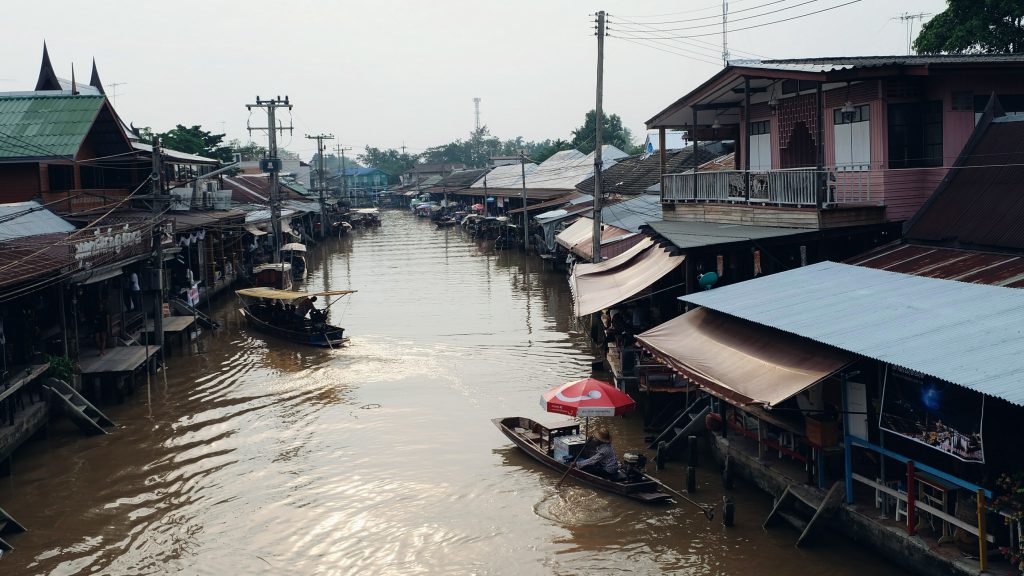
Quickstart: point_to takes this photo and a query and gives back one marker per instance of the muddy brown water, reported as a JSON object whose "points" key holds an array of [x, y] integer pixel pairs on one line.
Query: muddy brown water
{"points": [[259, 457]]}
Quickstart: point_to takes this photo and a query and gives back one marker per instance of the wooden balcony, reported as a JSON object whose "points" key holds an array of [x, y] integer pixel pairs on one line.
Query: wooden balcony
{"points": [[72, 201]]}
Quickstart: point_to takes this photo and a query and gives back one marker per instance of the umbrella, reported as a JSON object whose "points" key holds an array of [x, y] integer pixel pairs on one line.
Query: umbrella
{"points": [[293, 247], [589, 397], [477, 206]]}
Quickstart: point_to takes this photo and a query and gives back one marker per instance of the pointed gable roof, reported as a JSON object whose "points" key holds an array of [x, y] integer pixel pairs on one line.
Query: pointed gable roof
{"points": [[47, 77], [94, 80]]}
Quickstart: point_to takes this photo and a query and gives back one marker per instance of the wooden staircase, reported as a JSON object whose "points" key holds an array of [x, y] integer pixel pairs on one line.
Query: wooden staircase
{"points": [[184, 309], [8, 525], [687, 423], [82, 413], [802, 509]]}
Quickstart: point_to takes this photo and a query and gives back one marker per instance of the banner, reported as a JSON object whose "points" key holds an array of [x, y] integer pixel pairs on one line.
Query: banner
{"points": [[938, 414]]}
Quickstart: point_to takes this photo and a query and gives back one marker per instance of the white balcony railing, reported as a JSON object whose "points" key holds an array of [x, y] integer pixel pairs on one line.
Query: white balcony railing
{"points": [[795, 187], [785, 187]]}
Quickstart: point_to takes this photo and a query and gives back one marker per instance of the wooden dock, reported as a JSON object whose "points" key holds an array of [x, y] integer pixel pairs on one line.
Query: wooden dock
{"points": [[117, 360], [173, 324]]}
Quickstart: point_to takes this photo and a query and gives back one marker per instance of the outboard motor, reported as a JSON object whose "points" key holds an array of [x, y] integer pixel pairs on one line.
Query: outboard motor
{"points": [[633, 465]]}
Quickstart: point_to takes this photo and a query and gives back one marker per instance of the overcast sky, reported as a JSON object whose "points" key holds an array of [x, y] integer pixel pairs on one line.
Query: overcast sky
{"points": [[388, 72]]}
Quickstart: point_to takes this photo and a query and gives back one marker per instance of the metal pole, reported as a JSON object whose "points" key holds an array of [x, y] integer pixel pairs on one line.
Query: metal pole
{"points": [[275, 198], [158, 254], [598, 118], [526, 227]]}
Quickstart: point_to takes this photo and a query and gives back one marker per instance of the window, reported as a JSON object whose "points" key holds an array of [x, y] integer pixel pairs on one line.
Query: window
{"points": [[962, 101], [915, 135], [860, 114], [794, 86], [852, 132], [760, 145]]}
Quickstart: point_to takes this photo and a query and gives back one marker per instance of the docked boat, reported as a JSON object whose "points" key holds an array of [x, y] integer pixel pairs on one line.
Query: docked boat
{"points": [[292, 316], [556, 444], [294, 254], [277, 276]]}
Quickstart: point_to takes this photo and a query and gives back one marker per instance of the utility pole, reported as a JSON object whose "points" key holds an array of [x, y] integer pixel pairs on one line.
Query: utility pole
{"points": [[598, 120], [272, 163], [339, 150], [157, 278], [909, 19], [725, 33], [321, 180], [526, 217]]}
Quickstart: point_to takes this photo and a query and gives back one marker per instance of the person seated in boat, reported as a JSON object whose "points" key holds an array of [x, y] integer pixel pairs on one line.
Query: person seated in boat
{"points": [[603, 462], [303, 307]]}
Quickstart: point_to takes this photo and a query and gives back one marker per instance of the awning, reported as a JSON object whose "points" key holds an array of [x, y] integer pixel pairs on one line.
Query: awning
{"points": [[598, 286], [288, 295], [740, 361], [252, 229]]}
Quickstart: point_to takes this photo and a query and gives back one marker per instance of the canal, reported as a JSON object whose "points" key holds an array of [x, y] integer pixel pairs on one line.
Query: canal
{"points": [[259, 457]]}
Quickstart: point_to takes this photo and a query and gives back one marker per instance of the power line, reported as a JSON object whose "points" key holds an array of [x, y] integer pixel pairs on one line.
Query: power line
{"points": [[718, 17], [631, 26], [749, 27]]}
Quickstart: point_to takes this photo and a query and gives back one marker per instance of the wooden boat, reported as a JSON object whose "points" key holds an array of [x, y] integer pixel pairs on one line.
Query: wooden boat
{"points": [[278, 276], [267, 310], [539, 440]]}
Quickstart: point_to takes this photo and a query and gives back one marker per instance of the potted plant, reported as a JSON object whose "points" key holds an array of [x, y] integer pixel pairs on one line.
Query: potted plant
{"points": [[61, 368], [1009, 500]]}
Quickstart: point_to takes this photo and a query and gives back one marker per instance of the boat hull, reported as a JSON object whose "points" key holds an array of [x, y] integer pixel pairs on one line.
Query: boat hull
{"points": [[330, 337], [643, 490]]}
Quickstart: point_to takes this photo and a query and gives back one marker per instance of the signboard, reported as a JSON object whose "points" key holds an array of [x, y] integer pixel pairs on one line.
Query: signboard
{"points": [[111, 241], [938, 414], [193, 295]]}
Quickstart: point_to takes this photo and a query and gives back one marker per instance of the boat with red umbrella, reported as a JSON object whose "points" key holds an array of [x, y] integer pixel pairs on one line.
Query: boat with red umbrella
{"points": [[557, 445]]}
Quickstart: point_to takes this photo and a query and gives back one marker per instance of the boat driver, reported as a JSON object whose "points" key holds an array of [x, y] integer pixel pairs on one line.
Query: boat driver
{"points": [[603, 462]]}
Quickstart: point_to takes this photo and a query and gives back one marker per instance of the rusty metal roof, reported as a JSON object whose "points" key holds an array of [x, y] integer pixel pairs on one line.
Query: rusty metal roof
{"points": [[947, 263], [982, 205]]}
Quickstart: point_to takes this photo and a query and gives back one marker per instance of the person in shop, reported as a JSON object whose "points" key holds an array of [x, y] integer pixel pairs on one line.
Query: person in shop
{"points": [[603, 462], [99, 321]]}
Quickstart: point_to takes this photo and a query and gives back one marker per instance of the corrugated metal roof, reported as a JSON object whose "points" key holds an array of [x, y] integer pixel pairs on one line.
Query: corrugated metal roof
{"points": [[508, 176], [982, 204], [175, 155], [697, 234], [33, 219], [971, 266], [633, 213], [830, 63], [967, 334], [634, 175], [565, 169], [44, 126]]}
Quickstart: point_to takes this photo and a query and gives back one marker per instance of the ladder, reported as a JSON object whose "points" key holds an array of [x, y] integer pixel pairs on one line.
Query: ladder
{"points": [[687, 423], [8, 525], [802, 509], [183, 308], [82, 413]]}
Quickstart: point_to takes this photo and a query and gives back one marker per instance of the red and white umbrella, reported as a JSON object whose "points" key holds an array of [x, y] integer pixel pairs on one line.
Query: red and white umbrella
{"points": [[587, 398]]}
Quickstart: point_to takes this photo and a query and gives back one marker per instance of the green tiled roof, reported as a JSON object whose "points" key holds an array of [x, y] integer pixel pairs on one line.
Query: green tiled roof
{"points": [[40, 126]]}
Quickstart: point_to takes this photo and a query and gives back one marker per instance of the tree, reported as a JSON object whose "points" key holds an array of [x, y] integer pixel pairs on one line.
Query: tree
{"points": [[973, 27], [613, 132], [195, 140], [391, 161], [249, 151], [541, 151]]}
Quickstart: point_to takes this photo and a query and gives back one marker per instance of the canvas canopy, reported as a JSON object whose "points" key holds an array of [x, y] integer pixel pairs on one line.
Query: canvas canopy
{"points": [[599, 286], [288, 295], [740, 361]]}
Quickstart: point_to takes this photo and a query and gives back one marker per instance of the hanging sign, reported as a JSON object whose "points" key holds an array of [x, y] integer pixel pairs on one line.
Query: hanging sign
{"points": [[938, 414]]}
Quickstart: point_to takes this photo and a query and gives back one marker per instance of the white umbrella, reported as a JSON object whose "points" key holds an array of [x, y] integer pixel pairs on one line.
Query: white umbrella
{"points": [[293, 247]]}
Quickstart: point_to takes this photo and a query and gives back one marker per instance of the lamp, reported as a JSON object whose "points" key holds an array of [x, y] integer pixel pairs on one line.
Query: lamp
{"points": [[773, 102], [716, 125], [848, 111]]}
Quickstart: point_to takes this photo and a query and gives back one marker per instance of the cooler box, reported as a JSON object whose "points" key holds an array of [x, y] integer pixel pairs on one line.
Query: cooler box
{"points": [[567, 447]]}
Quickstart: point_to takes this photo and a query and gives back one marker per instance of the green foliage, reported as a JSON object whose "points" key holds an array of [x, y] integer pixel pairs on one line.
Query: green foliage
{"points": [[61, 368], [391, 161], [613, 132], [541, 151], [195, 140], [973, 27]]}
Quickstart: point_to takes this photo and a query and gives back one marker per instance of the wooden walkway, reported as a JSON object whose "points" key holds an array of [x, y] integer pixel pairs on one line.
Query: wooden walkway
{"points": [[173, 324], [117, 360]]}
